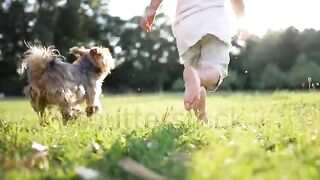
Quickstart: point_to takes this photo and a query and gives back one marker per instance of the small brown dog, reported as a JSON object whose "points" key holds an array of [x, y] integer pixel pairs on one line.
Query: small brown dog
{"points": [[55, 82]]}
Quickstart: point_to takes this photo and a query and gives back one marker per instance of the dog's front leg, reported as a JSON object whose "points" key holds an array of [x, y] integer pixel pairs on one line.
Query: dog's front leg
{"points": [[93, 102], [37, 101]]}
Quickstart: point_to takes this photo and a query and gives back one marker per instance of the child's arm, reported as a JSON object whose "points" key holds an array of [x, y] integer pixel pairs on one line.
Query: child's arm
{"points": [[238, 7], [150, 12]]}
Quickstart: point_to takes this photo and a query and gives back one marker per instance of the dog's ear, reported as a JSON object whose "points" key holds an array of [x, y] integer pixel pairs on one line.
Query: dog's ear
{"points": [[78, 51]]}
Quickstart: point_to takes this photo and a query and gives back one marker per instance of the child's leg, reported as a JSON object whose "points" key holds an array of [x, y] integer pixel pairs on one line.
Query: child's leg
{"points": [[191, 78], [192, 87], [214, 61], [204, 64], [209, 77], [201, 109], [195, 94]]}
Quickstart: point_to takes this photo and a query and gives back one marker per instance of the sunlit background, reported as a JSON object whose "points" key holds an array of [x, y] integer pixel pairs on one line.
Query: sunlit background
{"points": [[282, 53], [263, 119], [261, 15]]}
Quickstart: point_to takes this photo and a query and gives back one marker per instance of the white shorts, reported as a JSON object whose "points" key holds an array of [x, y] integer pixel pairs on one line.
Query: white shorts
{"points": [[208, 52]]}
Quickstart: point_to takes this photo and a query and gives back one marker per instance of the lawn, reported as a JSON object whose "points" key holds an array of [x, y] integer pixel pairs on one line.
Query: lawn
{"points": [[249, 136]]}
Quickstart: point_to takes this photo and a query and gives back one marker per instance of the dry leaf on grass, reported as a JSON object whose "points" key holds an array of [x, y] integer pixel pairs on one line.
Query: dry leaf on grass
{"points": [[95, 147], [9, 163], [38, 147], [39, 159], [139, 170], [87, 173]]}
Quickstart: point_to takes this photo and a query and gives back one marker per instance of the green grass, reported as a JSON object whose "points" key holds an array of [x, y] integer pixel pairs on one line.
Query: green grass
{"points": [[250, 136]]}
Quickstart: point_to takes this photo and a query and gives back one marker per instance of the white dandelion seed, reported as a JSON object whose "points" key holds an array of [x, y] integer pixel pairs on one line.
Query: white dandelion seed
{"points": [[38, 147]]}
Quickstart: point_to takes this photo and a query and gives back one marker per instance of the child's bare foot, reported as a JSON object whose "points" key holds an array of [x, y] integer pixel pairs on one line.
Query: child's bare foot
{"points": [[192, 88], [201, 111]]}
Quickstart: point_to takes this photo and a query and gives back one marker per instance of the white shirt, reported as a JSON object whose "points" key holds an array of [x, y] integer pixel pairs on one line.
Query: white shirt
{"points": [[197, 18]]}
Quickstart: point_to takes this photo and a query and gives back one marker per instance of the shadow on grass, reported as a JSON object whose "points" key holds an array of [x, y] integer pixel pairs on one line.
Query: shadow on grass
{"points": [[163, 149]]}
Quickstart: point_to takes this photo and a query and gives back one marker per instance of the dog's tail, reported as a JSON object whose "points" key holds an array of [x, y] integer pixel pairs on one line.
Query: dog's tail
{"points": [[36, 59]]}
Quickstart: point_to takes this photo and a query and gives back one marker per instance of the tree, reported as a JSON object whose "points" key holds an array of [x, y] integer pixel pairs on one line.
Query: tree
{"points": [[273, 78], [150, 60], [303, 70], [51, 22], [146, 61], [14, 29]]}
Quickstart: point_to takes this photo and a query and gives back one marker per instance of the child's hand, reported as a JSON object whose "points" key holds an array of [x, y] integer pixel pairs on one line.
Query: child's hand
{"points": [[147, 20], [242, 31], [243, 34]]}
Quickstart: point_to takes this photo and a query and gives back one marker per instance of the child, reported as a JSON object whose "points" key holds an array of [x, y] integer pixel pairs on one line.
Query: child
{"points": [[202, 36]]}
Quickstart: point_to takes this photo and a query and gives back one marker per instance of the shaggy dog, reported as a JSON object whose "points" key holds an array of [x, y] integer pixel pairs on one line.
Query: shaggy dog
{"points": [[51, 81]]}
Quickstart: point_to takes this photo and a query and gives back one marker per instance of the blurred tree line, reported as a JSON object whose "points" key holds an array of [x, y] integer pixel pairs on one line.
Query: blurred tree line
{"points": [[281, 60], [147, 61]]}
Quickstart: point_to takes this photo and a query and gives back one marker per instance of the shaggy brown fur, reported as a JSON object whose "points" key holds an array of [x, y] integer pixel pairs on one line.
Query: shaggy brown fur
{"points": [[55, 82]]}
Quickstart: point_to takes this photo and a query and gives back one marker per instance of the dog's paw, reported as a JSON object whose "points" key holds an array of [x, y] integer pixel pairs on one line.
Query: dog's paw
{"points": [[67, 116], [72, 114], [92, 110]]}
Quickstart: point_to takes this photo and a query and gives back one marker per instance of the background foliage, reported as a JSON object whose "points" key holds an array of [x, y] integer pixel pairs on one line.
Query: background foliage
{"points": [[148, 61]]}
